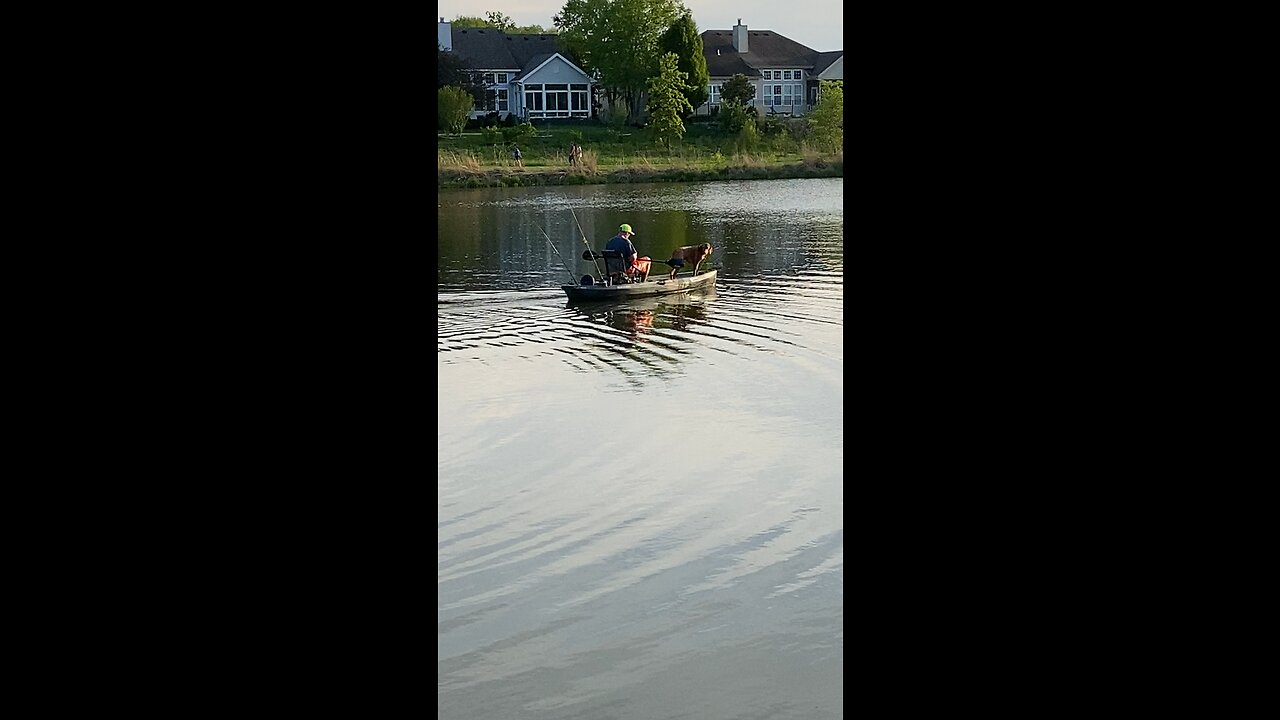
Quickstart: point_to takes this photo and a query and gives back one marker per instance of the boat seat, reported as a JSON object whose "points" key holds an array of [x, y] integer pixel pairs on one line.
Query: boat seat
{"points": [[615, 266]]}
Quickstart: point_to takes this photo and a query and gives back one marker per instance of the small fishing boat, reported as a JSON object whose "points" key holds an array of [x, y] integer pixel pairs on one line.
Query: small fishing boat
{"points": [[660, 285]]}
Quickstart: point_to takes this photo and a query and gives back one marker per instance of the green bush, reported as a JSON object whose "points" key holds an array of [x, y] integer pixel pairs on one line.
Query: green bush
{"points": [[772, 126], [519, 132]]}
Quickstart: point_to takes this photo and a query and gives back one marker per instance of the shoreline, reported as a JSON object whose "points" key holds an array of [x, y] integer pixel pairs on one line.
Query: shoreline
{"points": [[530, 177]]}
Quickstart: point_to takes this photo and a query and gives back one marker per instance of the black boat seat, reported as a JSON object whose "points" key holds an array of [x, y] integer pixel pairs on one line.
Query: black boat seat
{"points": [[615, 265]]}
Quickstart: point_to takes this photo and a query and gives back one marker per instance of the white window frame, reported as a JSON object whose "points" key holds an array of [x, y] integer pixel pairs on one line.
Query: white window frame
{"points": [[786, 74], [768, 74], [542, 102], [502, 78]]}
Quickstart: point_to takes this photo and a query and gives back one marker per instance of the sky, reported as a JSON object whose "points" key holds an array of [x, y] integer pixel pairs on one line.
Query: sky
{"points": [[820, 25]]}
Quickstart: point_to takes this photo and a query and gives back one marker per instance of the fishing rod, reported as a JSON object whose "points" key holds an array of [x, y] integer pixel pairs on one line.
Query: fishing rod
{"points": [[584, 242], [557, 252]]}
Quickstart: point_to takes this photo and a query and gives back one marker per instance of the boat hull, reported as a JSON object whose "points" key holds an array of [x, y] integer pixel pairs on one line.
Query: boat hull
{"points": [[649, 288]]}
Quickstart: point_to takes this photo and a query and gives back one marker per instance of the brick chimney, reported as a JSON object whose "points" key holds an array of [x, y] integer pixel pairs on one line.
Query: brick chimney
{"points": [[446, 35], [740, 37]]}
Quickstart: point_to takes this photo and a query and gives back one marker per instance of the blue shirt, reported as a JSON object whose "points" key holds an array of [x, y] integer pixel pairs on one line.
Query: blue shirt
{"points": [[621, 244]]}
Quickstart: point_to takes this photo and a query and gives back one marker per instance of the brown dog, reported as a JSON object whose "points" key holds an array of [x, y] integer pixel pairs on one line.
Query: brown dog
{"points": [[691, 254]]}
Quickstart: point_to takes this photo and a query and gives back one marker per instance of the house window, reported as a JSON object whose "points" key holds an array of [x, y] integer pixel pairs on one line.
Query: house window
{"points": [[768, 74], [488, 78], [714, 97], [558, 100], [502, 78], [502, 101], [786, 96], [798, 92], [786, 74], [799, 75]]}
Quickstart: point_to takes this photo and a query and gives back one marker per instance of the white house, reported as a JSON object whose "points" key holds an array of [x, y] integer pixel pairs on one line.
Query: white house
{"points": [[525, 74], [784, 73]]}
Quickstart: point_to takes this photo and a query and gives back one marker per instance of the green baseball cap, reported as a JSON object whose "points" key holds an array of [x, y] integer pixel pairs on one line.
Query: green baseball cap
{"points": [[625, 228]]}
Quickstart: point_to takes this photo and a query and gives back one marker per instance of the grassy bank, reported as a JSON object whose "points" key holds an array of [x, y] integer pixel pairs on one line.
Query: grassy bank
{"points": [[628, 155]]}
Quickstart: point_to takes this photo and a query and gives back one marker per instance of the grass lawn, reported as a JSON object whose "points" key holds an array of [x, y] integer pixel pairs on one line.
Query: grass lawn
{"points": [[626, 154]]}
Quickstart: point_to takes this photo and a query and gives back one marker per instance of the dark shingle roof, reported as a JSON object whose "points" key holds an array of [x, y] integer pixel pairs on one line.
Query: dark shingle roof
{"points": [[765, 49], [487, 49], [824, 60], [532, 63]]}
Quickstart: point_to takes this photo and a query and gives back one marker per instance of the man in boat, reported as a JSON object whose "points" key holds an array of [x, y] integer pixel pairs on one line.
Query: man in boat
{"points": [[634, 268]]}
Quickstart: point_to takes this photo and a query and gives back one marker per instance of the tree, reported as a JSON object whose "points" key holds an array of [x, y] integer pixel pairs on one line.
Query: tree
{"points": [[454, 105], [450, 70], [733, 102], [618, 41], [827, 119], [498, 21], [667, 103], [682, 38]]}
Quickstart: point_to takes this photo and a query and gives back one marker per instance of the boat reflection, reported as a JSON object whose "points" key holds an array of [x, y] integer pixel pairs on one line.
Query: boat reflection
{"points": [[639, 318]]}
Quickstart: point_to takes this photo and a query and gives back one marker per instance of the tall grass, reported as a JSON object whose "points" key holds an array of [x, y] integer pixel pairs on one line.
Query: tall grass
{"points": [[461, 160]]}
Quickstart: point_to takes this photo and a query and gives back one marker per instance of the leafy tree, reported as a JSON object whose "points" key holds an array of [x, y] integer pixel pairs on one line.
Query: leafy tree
{"points": [[454, 105], [498, 21], [682, 38], [667, 103], [827, 119], [450, 70], [535, 30], [734, 96], [618, 41]]}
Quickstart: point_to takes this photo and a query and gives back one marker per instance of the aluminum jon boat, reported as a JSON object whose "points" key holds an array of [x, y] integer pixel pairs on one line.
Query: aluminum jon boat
{"points": [[661, 285]]}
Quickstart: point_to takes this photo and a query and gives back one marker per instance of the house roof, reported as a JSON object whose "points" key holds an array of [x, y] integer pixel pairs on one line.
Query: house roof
{"points": [[824, 60], [489, 49], [532, 64], [765, 49]]}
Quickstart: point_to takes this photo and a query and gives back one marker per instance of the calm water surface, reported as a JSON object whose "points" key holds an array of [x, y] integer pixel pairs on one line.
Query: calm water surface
{"points": [[640, 504]]}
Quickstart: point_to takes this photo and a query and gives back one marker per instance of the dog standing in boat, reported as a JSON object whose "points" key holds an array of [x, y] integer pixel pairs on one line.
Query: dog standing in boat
{"points": [[689, 254]]}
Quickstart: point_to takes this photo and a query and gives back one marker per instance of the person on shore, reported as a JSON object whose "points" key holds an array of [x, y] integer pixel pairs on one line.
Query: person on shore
{"points": [[577, 153], [572, 154], [515, 155]]}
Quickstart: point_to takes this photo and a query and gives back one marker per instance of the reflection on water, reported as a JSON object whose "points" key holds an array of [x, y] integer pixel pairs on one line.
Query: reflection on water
{"points": [[640, 502]]}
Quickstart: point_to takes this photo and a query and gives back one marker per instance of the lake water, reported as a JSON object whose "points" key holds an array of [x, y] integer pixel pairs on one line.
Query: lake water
{"points": [[641, 504]]}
